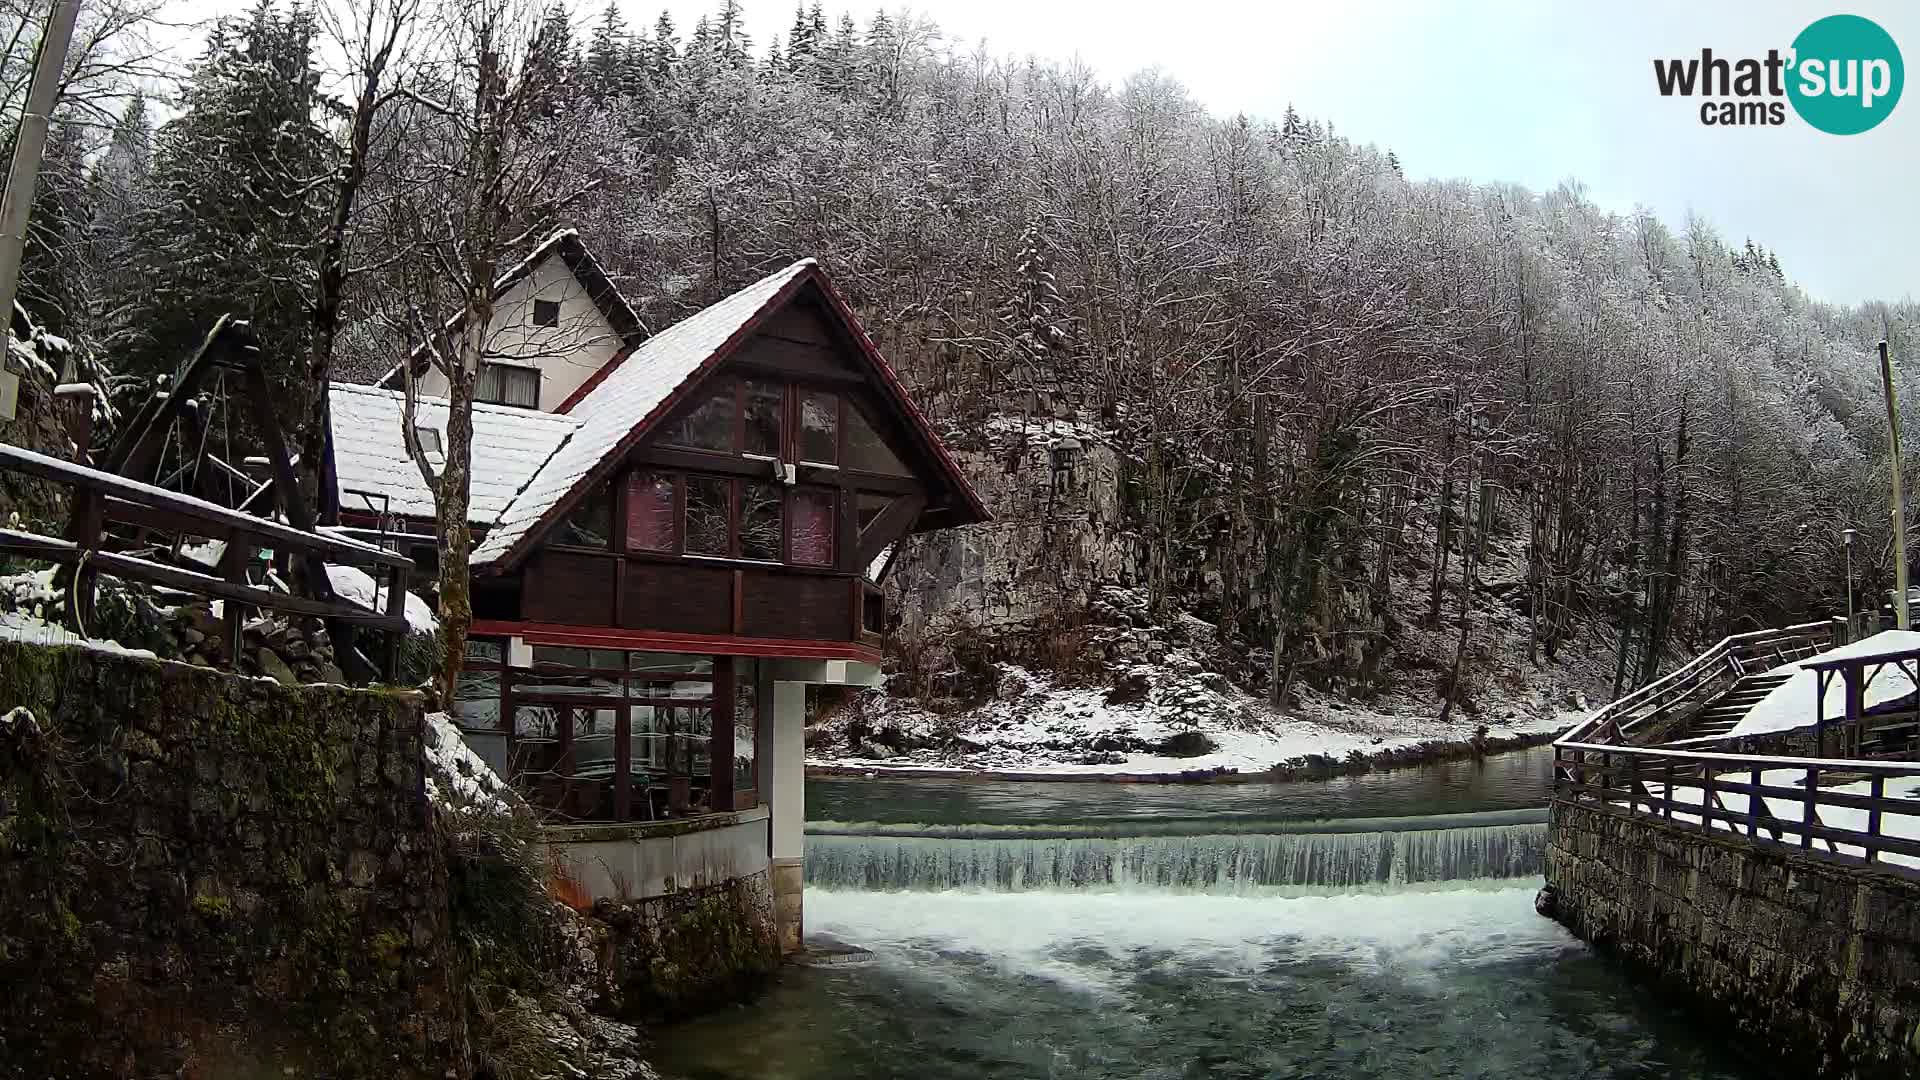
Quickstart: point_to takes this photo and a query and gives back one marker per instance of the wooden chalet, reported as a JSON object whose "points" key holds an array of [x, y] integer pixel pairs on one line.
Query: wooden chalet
{"points": [[670, 546]]}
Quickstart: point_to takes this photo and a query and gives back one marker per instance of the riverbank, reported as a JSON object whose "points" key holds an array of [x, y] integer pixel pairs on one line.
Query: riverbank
{"points": [[1164, 725], [1308, 767]]}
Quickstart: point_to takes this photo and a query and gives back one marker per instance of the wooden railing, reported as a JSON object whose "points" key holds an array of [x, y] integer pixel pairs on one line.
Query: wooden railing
{"points": [[1694, 684], [1853, 812], [104, 498]]}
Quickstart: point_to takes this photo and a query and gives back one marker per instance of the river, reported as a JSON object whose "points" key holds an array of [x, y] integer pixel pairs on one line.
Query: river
{"points": [[1371, 926]]}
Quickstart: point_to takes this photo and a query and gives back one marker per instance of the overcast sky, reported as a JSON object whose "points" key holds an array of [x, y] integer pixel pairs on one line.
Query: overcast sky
{"points": [[1528, 92]]}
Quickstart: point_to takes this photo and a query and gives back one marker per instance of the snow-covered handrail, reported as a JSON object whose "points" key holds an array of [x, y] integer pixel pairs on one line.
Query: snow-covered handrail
{"points": [[1685, 680], [1775, 801]]}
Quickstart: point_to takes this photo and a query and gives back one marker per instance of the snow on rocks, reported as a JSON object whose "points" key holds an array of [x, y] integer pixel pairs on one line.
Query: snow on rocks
{"points": [[458, 778], [1174, 717]]}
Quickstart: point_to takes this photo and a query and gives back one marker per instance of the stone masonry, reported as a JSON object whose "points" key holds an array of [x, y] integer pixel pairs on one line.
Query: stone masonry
{"points": [[202, 873], [1815, 966]]}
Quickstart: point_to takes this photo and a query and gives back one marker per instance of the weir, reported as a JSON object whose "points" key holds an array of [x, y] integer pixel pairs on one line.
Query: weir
{"points": [[1196, 856]]}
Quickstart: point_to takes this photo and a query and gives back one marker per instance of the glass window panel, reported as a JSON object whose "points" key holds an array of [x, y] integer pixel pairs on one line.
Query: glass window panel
{"points": [[650, 512], [589, 524], [813, 517], [745, 728], [759, 520], [505, 384], [561, 656], [670, 662], [476, 700], [820, 427], [593, 742], [707, 516], [679, 690], [867, 451], [710, 425], [486, 650], [764, 404], [690, 749], [536, 722]]}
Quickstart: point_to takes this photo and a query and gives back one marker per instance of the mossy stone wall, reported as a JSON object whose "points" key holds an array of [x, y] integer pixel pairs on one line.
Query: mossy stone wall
{"points": [[202, 873], [1814, 966]]}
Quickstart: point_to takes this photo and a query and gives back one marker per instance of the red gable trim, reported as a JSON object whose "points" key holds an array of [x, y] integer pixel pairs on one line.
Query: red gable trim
{"points": [[934, 447], [599, 376], [611, 637]]}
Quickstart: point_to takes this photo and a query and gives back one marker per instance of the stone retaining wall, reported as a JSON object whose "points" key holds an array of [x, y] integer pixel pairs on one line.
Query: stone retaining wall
{"points": [[205, 875], [1815, 965]]}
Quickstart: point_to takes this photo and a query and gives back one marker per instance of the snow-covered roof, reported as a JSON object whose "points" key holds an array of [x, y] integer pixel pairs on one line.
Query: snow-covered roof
{"points": [[626, 399], [509, 446], [1791, 704]]}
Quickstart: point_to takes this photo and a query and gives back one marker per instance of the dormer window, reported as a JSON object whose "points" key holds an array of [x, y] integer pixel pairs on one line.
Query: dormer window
{"points": [[546, 313]]}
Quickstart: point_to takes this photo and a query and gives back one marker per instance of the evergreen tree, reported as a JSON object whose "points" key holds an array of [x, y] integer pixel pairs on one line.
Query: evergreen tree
{"points": [[666, 49], [607, 53], [1032, 316], [52, 271], [801, 42], [731, 42], [237, 201]]}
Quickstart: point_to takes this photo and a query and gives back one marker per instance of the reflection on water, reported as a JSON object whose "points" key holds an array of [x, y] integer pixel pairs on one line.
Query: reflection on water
{"points": [[1464, 983], [1507, 781]]}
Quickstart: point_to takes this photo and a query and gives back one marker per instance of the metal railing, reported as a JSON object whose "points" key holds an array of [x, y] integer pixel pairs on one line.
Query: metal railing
{"points": [[1857, 812]]}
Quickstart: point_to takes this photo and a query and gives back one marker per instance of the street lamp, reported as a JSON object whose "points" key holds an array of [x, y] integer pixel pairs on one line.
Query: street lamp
{"points": [[1847, 537]]}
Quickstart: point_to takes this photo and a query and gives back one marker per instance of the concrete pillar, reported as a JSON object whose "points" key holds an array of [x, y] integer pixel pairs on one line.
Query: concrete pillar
{"points": [[785, 777]]}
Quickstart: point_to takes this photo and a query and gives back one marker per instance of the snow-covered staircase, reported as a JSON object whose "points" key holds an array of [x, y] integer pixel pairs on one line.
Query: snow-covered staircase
{"points": [[1723, 713]]}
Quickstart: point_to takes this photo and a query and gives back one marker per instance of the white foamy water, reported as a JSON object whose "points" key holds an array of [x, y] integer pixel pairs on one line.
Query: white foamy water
{"points": [[1093, 939]]}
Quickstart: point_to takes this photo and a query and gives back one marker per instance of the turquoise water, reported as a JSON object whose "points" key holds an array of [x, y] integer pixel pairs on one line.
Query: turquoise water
{"points": [[1065, 940]]}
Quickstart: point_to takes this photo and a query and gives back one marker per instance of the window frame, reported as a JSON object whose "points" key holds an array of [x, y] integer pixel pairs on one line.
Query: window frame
{"points": [[541, 307], [539, 378]]}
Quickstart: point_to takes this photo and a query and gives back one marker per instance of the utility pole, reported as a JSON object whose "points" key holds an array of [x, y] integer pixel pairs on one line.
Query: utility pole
{"points": [[48, 63], [1902, 618]]}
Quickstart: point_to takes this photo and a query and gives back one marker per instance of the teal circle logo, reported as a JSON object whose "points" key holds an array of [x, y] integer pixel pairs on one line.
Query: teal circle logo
{"points": [[1846, 75]]}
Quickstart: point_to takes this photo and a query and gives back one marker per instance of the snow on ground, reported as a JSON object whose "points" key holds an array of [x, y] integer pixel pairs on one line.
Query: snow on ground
{"points": [[24, 627], [1791, 704], [358, 586], [1906, 826], [1034, 726]]}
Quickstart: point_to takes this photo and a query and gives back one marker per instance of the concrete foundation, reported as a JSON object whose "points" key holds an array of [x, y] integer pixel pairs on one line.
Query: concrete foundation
{"points": [[789, 892], [640, 860]]}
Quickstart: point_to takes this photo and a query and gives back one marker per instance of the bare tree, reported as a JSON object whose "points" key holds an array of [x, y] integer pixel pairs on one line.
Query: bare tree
{"points": [[498, 161]]}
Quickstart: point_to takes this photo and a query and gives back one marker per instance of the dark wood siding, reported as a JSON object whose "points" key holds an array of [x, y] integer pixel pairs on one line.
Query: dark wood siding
{"points": [[679, 598], [799, 322], [563, 587], [797, 606], [764, 353]]}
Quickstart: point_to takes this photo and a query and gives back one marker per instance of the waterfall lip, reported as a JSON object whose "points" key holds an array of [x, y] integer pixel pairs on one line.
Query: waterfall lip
{"points": [[1217, 825]]}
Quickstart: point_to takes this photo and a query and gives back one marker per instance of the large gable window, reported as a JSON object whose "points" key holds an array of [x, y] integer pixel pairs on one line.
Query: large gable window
{"points": [[712, 424], [867, 451], [507, 384]]}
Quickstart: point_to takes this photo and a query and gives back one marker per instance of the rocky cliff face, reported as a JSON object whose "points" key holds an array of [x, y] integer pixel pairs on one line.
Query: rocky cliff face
{"points": [[1058, 582], [1058, 537]]}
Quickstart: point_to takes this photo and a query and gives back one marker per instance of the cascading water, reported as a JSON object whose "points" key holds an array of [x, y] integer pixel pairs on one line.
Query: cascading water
{"points": [[1083, 932], [1191, 856]]}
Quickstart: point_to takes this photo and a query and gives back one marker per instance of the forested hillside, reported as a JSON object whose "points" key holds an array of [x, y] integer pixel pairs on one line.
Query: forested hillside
{"points": [[1317, 376]]}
